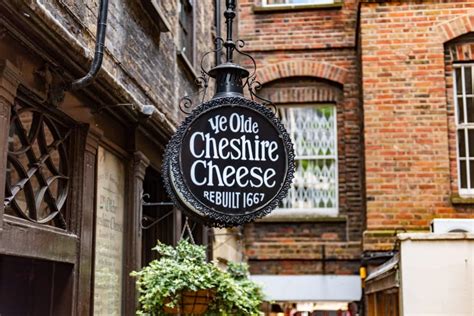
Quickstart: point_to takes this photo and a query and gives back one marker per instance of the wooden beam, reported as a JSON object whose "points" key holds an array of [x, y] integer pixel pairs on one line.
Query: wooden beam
{"points": [[26, 239], [9, 82]]}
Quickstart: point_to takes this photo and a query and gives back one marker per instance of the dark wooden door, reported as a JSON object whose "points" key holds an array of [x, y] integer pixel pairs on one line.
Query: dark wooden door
{"points": [[31, 287]]}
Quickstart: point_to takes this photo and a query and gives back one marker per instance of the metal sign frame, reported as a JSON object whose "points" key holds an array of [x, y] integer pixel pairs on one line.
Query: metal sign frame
{"points": [[180, 193]]}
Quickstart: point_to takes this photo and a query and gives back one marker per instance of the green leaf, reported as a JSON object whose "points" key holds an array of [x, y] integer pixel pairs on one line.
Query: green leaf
{"points": [[184, 267]]}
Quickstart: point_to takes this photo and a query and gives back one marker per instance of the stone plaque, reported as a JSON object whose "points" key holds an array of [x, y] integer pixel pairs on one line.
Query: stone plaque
{"points": [[109, 235]]}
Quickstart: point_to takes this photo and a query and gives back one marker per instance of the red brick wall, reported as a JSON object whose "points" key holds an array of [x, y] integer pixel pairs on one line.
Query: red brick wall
{"points": [[309, 56], [410, 147], [302, 30], [302, 248]]}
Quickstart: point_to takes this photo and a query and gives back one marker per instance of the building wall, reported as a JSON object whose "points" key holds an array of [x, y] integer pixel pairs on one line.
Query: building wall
{"points": [[138, 57], [409, 127], [453, 272], [44, 45], [308, 56]]}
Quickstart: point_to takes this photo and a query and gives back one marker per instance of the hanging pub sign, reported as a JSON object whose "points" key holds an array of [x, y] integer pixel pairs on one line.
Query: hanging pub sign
{"points": [[230, 162]]}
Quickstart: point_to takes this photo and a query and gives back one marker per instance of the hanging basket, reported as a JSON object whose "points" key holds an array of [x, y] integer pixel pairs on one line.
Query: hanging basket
{"points": [[191, 302]]}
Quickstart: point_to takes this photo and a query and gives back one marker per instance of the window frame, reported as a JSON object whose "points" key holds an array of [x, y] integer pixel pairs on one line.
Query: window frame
{"points": [[286, 4], [65, 127], [191, 60], [333, 211], [465, 127]]}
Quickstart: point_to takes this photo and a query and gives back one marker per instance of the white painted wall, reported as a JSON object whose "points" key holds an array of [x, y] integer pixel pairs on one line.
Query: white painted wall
{"points": [[227, 245], [437, 274]]}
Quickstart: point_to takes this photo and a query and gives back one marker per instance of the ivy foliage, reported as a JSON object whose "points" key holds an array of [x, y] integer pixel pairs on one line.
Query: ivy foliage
{"points": [[236, 293], [184, 267]]}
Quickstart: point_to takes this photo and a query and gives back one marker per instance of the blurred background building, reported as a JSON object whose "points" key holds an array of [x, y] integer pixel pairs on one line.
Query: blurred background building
{"points": [[416, 71], [308, 251], [377, 96]]}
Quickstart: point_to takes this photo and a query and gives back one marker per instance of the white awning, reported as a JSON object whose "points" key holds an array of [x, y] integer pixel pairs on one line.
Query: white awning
{"points": [[299, 288]]}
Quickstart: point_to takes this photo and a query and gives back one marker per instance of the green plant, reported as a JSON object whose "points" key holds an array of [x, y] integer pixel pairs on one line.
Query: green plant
{"points": [[184, 268], [236, 294], [178, 269]]}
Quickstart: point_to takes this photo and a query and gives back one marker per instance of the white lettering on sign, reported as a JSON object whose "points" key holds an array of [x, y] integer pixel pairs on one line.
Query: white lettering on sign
{"points": [[249, 147], [228, 176], [241, 148]]}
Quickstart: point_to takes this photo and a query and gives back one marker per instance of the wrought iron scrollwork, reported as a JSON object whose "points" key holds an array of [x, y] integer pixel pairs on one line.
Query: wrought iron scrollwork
{"points": [[219, 42], [253, 86], [186, 104], [37, 179], [231, 79]]}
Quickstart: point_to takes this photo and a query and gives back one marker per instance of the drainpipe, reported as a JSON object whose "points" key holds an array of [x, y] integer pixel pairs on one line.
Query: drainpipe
{"points": [[99, 49], [217, 15]]}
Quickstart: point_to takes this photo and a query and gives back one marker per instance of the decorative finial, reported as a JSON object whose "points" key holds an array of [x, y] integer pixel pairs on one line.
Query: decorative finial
{"points": [[229, 75], [229, 15]]}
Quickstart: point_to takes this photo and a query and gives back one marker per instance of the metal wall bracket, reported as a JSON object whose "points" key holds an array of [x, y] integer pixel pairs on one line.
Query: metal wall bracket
{"points": [[147, 204]]}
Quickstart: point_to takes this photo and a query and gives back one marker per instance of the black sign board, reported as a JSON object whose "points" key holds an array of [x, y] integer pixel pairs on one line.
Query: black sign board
{"points": [[230, 162]]}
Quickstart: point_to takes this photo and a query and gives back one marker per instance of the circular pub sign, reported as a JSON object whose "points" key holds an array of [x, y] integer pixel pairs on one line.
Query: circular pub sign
{"points": [[230, 162]]}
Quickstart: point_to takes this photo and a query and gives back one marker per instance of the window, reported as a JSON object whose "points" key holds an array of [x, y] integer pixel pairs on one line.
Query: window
{"points": [[38, 172], [464, 109], [159, 222], [186, 29], [157, 16], [296, 2], [313, 130]]}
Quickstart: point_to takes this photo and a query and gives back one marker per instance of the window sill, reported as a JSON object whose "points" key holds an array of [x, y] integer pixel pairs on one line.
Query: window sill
{"points": [[152, 8], [456, 199], [301, 7], [187, 65], [306, 215]]}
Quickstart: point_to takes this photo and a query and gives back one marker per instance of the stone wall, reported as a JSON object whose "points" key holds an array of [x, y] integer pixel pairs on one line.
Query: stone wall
{"points": [[141, 59]]}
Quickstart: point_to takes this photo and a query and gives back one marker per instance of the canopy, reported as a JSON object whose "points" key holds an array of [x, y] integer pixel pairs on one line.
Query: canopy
{"points": [[298, 288]]}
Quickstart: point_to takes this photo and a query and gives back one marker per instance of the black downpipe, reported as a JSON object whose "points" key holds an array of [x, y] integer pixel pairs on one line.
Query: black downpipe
{"points": [[99, 49], [217, 13]]}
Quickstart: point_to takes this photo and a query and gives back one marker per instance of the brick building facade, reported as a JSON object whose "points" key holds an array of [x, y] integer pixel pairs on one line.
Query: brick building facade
{"points": [[375, 80], [75, 164], [307, 63], [416, 69], [403, 130], [408, 52]]}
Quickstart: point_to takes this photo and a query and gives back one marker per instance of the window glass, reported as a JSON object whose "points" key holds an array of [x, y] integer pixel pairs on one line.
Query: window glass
{"points": [[292, 2], [460, 109], [186, 28], [464, 107], [313, 132]]}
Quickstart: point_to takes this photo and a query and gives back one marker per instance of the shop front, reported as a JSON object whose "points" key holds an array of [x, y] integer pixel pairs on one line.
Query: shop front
{"points": [[76, 168]]}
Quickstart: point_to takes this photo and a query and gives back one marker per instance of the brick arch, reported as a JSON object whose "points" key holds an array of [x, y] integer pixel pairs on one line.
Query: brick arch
{"points": [[296, 93], [454, 28], [301, 68]]}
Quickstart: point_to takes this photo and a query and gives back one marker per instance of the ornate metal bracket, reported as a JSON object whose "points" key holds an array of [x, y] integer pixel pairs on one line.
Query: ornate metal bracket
{"points": [[186, 227], [228, 75], [146, 204], [186, 102]]}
